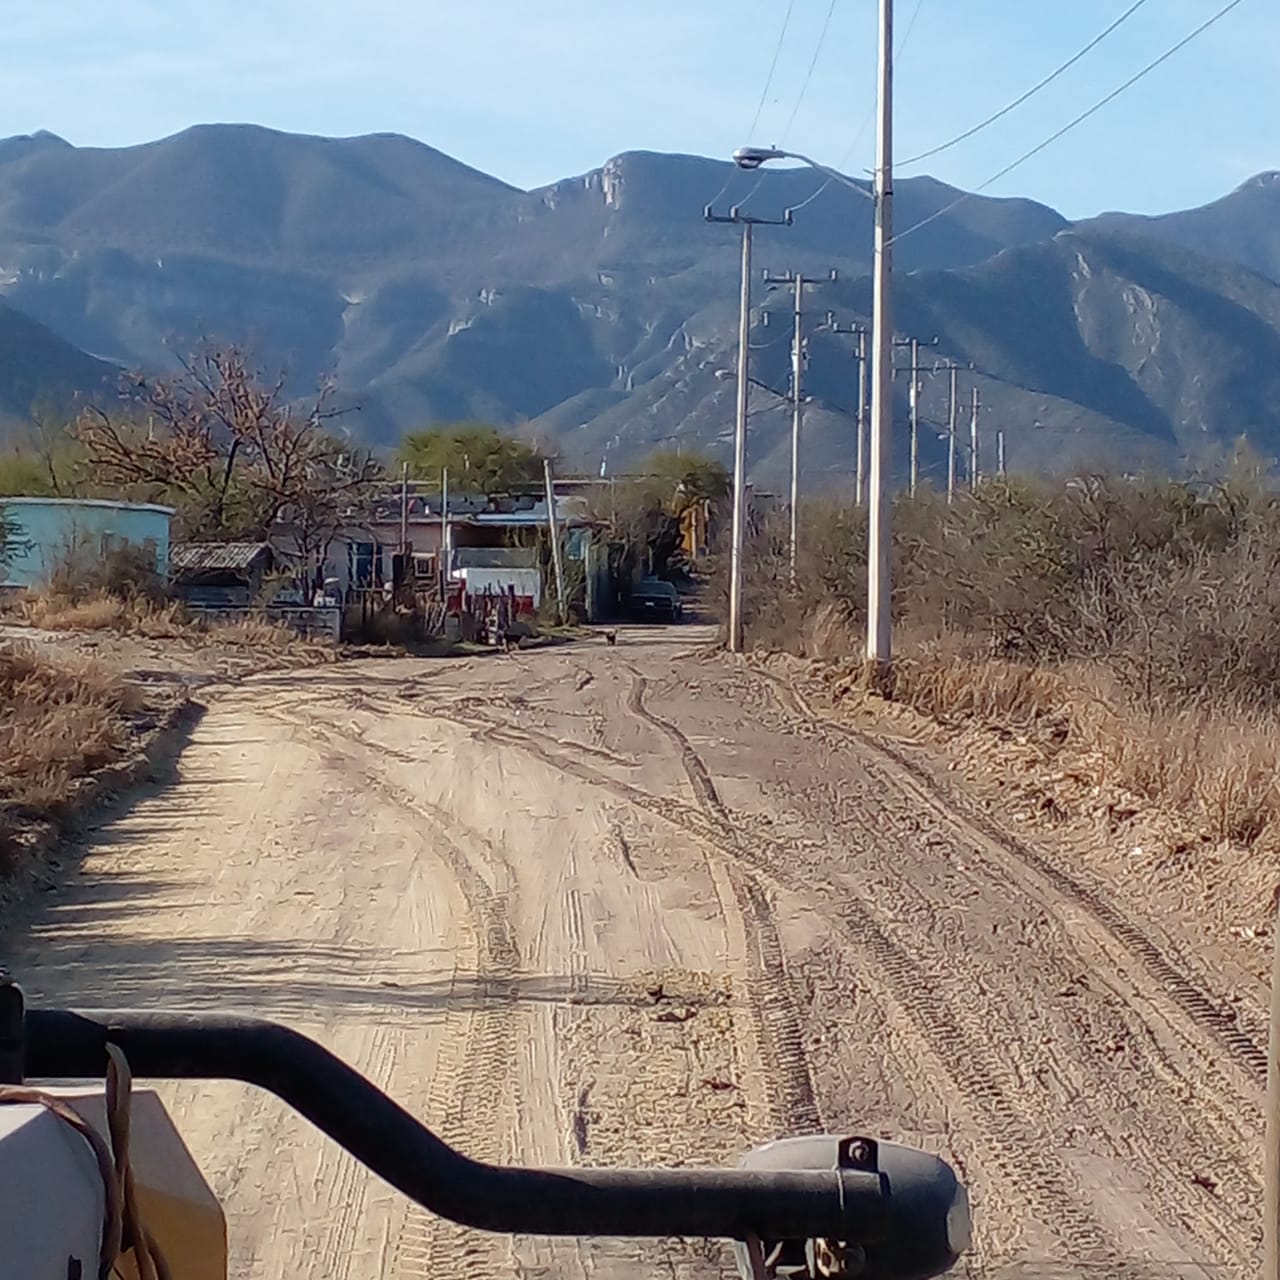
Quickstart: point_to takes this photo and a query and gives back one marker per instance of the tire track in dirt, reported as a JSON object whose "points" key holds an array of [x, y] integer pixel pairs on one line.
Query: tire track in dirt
{"points": [[960, 1043], [476, 1059], [1188, 995], [789, 1082], [955, 1036], [1206, 1143]]}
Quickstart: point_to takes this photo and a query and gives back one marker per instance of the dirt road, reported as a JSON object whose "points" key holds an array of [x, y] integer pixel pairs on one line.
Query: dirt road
{"points": [[641, 904]]}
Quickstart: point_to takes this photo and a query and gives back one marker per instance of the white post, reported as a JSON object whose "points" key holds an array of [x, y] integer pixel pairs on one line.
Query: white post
{"points": [[974, 469], [951, 440], [740, 451], [1000, 454], [915, 415], [444, 534], [554, 532], [797, 414], [860, 482], [879, 530]]}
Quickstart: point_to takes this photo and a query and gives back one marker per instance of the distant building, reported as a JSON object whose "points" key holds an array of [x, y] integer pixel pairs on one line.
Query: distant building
{"points": [[47, 533], [220, 574]]}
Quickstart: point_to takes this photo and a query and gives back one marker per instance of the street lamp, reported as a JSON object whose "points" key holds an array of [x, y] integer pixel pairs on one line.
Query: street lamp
{"points": [[879, 603], [754, 157]]}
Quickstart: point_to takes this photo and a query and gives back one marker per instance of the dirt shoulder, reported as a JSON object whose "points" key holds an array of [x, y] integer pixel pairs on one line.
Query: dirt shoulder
{"points": [[1210, 899], [86, 717]]}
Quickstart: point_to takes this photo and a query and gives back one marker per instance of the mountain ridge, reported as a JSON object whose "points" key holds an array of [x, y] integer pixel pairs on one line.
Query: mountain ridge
{"points": [[588, 306]]}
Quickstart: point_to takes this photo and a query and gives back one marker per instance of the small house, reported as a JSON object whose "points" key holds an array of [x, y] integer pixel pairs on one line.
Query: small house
{"points": [[220, 575]]}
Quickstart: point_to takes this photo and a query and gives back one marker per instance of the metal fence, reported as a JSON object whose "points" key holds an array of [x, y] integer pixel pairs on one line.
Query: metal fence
{"points": [[310, 622]]}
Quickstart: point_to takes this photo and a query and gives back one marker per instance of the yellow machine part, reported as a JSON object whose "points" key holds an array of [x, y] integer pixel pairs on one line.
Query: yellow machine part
{"points": [[174, 1201]]}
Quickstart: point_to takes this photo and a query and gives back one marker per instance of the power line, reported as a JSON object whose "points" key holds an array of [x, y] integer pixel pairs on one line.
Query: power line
{"points": [[1030, 93], [867, 119], [808, 75], [1080, 119], [773, 66], [764, 94]]}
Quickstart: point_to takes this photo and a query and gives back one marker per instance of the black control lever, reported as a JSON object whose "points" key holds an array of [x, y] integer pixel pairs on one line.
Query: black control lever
{"points": [[847, 1199]]}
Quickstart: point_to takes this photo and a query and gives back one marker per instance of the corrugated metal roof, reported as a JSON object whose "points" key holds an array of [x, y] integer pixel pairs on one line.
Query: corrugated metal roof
{"points": [[495, 558], [199, 556]]}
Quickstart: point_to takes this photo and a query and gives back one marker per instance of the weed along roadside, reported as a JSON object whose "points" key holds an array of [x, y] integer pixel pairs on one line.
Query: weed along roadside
{"points": [[1106, 653], [74, 734]]}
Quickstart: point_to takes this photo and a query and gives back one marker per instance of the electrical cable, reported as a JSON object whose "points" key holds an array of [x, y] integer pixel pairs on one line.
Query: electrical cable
{"points": [[1080, 119], [808, 75], [1030, 93], [764, 94], [866, 120]]}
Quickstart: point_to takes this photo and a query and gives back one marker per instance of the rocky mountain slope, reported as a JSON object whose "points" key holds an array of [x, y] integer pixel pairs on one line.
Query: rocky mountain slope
{"points": [[601, 309]]}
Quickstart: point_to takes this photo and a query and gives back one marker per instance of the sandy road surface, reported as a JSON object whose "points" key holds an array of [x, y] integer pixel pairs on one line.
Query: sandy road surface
{"points": [[639, 904]]}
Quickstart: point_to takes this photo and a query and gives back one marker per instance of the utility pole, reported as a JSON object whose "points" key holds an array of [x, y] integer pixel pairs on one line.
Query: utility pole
{"points": [[444, 534], [746, 221], [860, 355], [860, 479], [799, 279], [951, 438], [974, 472], [879, 528], [553, 531], [915, 415], [913, 400], [404, 508]]}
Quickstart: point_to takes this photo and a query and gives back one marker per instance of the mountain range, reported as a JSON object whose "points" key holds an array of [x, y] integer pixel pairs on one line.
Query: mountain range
{"points": [[601, 312]]}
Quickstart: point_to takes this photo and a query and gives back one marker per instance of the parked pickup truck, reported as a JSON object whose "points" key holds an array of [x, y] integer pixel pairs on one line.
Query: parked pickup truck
{"points": [[653, 600]]}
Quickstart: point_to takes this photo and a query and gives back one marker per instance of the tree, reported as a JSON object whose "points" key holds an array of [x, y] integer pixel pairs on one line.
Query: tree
{"points": [[644, 509], [224, 445], [43, 461], [480, 459]]}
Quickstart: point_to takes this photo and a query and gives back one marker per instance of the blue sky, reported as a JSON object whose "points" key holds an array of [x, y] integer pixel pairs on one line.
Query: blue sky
{"points": [[534, 90]]}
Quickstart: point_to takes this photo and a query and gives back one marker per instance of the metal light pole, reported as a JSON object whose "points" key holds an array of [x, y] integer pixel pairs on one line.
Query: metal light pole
{"points": [[879, 653], [740, 420], [879, 531], [797, 420], [740, 449]]}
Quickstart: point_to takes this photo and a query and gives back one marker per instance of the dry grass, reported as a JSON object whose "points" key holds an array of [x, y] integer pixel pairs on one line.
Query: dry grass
{"points": [[59, 722], [1130, 629], [1219, 771], [153, 620]]}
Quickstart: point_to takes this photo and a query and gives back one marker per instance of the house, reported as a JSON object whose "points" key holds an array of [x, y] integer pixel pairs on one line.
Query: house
{"points": [[42, 535], [362, 556], [220, 574]]}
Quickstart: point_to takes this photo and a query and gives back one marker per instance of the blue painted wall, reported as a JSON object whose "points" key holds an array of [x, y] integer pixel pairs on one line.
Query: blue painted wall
{"points": [[50, 529]]}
